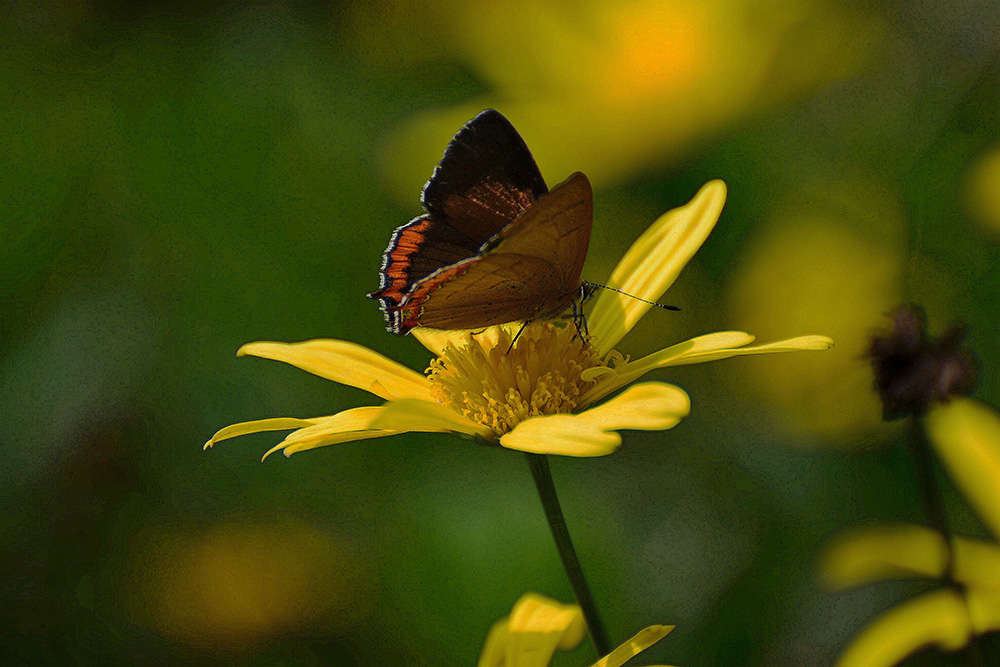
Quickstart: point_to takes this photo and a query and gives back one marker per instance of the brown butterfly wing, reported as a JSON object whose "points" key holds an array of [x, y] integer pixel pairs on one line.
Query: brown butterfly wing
{"points": [[557, 230], [486, 178], [532, 271], [416, 250], [480, 292]]}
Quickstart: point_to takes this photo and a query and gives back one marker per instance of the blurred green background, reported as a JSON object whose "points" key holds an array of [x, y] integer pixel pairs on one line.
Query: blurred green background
{"points": [[178, 179]]}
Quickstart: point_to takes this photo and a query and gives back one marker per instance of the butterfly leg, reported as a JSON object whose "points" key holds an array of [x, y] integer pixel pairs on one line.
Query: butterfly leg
{"points": [[517, 335], [580, 322]]}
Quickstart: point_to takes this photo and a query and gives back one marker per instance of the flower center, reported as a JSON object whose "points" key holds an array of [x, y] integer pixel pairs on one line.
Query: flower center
{"points": [[540, 375]]}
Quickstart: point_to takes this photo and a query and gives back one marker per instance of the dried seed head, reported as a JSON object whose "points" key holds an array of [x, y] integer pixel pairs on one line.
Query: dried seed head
{"points": [[914, 371]]}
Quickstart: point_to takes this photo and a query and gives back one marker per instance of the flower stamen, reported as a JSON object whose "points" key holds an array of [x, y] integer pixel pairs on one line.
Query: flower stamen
{"points": [[500, 385]]}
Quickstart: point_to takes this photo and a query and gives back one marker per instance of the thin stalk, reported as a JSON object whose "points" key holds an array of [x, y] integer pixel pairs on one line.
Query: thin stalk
{"points": [[927, 486], [571, 564]]}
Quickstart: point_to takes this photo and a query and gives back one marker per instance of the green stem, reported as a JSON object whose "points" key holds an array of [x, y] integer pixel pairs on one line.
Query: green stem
{"points": [[557, 524], [930, 494]]}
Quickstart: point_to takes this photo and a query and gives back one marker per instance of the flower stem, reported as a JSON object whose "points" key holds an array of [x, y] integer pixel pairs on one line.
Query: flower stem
{"points": [[930, 496], [557, 524]]}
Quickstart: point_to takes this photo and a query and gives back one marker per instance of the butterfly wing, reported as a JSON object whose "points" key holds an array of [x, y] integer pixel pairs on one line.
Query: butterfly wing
{"points": [[532, 271], [486, 178], [416, 250], [556, 230], [479, 292]]}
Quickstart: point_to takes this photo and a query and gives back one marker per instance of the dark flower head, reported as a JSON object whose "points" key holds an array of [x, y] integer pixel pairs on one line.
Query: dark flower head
{"points": [[914, 371]]}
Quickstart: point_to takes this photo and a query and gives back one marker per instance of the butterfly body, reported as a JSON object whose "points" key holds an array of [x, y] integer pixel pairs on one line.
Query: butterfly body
{"points": [[495, 245]]}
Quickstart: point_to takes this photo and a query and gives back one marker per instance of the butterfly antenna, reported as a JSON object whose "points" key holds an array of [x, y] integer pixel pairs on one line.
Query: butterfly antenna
{"points": [[633, 296]]}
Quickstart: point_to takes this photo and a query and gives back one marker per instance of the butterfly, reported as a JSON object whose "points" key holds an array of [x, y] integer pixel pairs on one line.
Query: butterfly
{"points": [[494, 246]]}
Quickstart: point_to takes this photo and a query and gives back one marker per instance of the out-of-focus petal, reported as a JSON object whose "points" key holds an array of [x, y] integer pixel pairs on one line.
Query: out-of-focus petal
{"points": [[811, 269], [976, 563], [984, 609], [900, 551], [966, 435], [537, 613], [347, 363], [650, 406], [982, 189], [536, 627], [633, 647], [873, 553], [710, 347], [936, 618], [260, 426], [494, 651], [653, 263]]}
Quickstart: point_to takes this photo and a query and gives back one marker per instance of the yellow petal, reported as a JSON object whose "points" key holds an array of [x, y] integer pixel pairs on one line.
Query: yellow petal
{"points": [[494, 651], [653, 263], [899, 551], [787, 345], [881, 552], [976, 563], [939, 617], [407, 415], [608, 380], [966, 435], [346, 426], [633, 647], [537, 613], [710, 347], [651, 406], [436, 340], [293, 446], [346, 363], [984, 609], [411, 414], [259, 426], [536, 627]]}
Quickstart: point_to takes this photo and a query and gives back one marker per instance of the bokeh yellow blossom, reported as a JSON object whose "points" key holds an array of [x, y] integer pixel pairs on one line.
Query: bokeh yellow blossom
{"points": [[233, 585], [982, 190], [966, 435], [614, 87], [543, 394], [814, 267], [538, 625]]}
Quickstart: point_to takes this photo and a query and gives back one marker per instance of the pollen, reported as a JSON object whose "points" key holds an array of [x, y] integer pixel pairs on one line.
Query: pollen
{"points": [[499, 385]]}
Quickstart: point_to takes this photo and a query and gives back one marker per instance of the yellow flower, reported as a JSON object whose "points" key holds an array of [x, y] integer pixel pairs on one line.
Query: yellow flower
{"points": [[612, 88], [542, 395], [981, 192], [966, 435], [239, 583], [537, 626], [846, 278]]}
